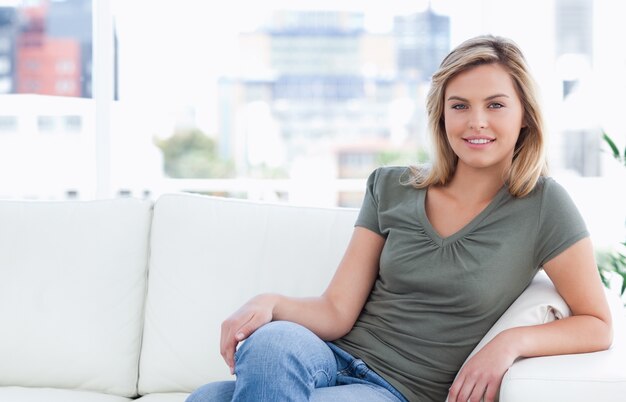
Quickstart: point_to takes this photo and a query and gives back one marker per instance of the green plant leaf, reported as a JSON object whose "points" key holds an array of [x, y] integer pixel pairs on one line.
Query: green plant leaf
{"points": [[614, 148], [605, 280]]}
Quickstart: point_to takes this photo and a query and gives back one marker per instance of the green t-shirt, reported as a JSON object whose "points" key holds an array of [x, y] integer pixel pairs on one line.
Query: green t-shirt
{"points": [[435, 298]]}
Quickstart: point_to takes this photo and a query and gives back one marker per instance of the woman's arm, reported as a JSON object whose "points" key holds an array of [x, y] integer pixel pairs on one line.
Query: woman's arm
{"points": [[329, 316], [576, 278]]}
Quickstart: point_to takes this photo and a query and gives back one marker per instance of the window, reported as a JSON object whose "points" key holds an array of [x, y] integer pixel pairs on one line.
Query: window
{"points": [[31, 65], [46, 124], [284, 89], [45, 80], [5, 85], [8, 124], [65, 66], [63, 87], [5, 65], [5, 44], [30, 86], [72, 124]]}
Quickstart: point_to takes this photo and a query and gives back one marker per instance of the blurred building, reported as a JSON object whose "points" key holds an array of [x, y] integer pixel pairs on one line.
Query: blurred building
{"points": [[72, 19], [46, 146], [46, 48], [47, 127], [314, 87], [45, 64], [574, 55], [574, 27], [8, 32], [422, 41]]}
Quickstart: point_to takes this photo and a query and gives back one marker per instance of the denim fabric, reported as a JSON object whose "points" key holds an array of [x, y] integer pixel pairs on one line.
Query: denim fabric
{"points": [[283, 361]]}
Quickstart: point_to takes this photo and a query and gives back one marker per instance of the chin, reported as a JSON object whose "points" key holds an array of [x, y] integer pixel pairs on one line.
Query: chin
{"points": [[476, 164], [480, 164]]}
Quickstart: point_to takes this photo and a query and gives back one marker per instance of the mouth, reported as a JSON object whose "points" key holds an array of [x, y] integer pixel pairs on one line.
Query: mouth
{"points": [[478, 141]]}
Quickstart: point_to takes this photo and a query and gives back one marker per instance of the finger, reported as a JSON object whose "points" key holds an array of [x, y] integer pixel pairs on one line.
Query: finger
{"points": [[248, 328], [454, 390], [477, 393], [227, 346], [491, 392], [466, 390], [228, 341], [231, 336]]}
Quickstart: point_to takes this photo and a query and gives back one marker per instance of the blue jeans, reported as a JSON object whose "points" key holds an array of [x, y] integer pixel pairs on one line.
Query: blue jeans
{"points": [[285, 362]]}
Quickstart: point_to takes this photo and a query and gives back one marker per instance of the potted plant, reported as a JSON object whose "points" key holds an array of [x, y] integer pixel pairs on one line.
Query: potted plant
{"points": [[613, 263]]}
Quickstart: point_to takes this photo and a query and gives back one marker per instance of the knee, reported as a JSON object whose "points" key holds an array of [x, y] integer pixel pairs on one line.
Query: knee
{"points": [[280, 329], [275, 340], [289, 349], [277, 334]]}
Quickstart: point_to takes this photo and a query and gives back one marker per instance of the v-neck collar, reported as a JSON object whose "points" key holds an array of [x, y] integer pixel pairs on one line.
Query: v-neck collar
{"points": [[444, 241]]}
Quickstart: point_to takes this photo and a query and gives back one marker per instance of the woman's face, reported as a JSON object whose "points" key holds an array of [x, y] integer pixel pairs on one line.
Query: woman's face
{"points": [[483, 117]]}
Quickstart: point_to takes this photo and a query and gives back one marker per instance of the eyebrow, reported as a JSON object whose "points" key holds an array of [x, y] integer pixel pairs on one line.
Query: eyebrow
{"points": [[487, 98]]}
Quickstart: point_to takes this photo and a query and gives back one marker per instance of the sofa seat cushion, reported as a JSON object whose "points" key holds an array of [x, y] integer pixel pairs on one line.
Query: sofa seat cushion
{"points": [[208, 256], [164, 397], [72, 289], [21, 394]]}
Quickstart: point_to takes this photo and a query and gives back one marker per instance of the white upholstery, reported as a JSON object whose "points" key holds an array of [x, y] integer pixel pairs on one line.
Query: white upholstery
{"points": [[210, 255], [586, 377], [20, 394], [75, 300], [72, 285], [165, 397]]}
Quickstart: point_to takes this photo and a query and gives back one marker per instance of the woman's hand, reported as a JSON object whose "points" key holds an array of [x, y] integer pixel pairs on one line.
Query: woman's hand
{"points": [[240, 325], [482, 375]]}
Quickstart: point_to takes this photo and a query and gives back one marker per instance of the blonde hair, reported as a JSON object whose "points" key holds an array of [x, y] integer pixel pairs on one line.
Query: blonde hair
{"points": [[529, 161]]}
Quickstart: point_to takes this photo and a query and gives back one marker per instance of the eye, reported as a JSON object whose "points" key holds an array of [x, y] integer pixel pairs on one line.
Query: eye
{"points": [[459, 106], [496, 105]]}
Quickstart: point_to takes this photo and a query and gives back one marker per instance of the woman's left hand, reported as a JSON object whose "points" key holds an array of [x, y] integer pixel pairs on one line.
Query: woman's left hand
{"points": [[481, 376]]}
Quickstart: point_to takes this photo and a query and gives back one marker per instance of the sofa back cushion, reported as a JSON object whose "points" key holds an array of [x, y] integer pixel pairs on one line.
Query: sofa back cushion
{"points": [[208, 256], [72, 286]]}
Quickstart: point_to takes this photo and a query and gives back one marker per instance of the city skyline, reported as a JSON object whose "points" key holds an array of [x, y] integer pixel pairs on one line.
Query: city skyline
{"points": [[180, 85]]}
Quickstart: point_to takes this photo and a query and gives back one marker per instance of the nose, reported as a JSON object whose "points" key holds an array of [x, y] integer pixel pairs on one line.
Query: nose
{"points": [[477, 121]]}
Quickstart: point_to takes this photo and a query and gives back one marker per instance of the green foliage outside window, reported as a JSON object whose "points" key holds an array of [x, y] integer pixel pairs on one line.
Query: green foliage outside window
{"points": [[189, 153], [402, 158]]}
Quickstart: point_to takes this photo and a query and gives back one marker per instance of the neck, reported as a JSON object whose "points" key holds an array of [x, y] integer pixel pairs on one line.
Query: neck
{"points": [[476, 184]]}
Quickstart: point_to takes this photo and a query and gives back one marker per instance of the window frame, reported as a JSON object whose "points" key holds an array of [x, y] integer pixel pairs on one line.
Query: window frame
{"points": [[103, 69]]}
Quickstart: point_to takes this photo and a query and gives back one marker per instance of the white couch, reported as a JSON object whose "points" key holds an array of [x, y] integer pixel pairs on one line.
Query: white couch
{"points": [[122, 299]]}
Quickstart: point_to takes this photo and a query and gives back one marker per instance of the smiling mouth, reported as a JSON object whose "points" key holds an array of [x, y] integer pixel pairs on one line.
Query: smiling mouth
{"points": [[479, 141]]}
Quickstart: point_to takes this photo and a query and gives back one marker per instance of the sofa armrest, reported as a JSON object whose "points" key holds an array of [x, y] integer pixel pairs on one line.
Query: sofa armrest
{"points": [[599, 376]]}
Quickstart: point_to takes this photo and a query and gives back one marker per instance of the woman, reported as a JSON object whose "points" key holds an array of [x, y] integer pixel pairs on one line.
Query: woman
{"points": [[436, 257]]}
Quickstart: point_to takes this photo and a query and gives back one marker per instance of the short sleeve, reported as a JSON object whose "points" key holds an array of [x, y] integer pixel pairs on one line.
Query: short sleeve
{"points": [[368, 215], [560, 223]]}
